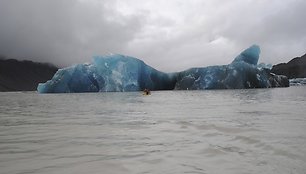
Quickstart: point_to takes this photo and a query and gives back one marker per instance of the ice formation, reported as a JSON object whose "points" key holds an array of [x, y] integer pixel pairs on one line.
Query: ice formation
{"points": [[243, 72], [297, 81], [106, 74], [124, 73]]}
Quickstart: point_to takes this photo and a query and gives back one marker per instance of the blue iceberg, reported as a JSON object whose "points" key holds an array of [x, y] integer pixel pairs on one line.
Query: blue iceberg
{"points": [[243, 72], [113, 73], [119, 73]]}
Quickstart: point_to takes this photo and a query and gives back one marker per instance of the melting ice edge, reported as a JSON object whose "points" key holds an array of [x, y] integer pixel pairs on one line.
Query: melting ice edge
{"points": [[119, 73]]}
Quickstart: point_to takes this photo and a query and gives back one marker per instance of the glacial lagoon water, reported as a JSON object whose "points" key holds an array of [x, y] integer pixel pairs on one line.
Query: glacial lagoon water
{"points": [[214, 131]]}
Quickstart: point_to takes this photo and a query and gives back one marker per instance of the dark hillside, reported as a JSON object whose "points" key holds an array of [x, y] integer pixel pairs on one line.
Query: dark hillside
{"points": [[23, 75], [295, 68]]}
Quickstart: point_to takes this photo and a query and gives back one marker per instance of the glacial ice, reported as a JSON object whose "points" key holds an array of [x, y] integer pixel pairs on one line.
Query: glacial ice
{"points": [[108, 74], [297, 81], [243, 72], [124, 73]]}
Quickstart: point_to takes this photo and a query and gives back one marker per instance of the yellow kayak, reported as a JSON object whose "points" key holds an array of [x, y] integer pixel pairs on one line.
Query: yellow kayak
{"points": [[146, 92]]}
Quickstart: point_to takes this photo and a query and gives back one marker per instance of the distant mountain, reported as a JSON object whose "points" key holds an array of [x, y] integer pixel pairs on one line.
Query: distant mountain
{"points": [[295, 68], [23, 75]]}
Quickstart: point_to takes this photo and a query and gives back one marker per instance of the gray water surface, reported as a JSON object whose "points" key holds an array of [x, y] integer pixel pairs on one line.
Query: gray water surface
{"points": [[216, 131]]}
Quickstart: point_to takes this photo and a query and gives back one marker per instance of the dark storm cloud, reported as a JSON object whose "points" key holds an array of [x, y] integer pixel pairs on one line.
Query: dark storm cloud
{"points": [[62, 31], [169, 35]]}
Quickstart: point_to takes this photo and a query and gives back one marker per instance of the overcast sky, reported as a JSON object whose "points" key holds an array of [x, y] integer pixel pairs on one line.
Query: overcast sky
{"points": [[169, 35]]}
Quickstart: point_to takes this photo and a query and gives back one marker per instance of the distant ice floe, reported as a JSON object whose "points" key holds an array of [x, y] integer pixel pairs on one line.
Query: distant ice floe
{"points": [[297, 81]]}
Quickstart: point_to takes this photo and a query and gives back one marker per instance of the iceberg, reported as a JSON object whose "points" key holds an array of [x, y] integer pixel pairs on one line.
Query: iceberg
{"points": [[243, 72], [112, 73], [119, 73]]}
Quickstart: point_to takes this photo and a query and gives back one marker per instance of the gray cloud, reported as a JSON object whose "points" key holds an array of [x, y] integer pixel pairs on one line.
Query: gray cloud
{"points": [[62, 32], [169, 35]]}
